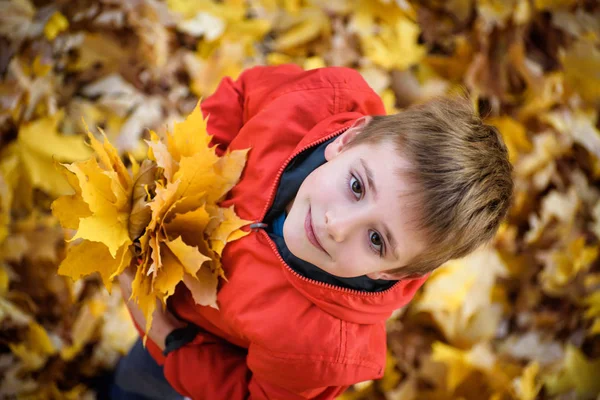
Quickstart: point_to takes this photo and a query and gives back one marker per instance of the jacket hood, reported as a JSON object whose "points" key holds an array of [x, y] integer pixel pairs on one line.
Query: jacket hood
{"points": [[310, 108]]}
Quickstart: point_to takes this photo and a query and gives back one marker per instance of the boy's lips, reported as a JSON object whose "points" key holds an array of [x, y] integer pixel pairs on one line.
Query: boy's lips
{"points": [[310, 232]]}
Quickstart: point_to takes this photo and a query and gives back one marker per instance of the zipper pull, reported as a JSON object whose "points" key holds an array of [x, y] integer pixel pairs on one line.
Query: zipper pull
{"points": [[258, 225]]}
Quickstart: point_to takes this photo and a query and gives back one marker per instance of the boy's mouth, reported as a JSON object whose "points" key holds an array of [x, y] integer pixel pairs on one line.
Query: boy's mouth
{"points": [[310, 233]]}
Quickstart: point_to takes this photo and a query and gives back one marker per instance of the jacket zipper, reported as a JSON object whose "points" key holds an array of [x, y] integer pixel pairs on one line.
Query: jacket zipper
{"points": [[321, 284], [261, 225]]}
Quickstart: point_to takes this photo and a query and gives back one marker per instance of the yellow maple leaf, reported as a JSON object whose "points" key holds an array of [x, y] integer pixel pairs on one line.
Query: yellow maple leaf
{"points": [[117, 334], [230, 224], [230, 9], [88, 319], [459, 297], [99, 48], [228, 38], [314, 63], [369, 14], [5, 203], [143, 295], [100, 211], [396, 46], [301, 28], [40, 144], [595, 328], [461, 363], [70, 209], [108, 204], [203, 287], [4, 280], [213, 62], [87, 257], [564, 263], [579, 125], [514, 135], [541, 96], [577, 373], [527, 385], [159, 152], [582, 62], [188, 256], [187, 224], [391, 376], [172, 210], [35, 349], [593, 312], [553, 4], [55, 25], [183, 207], [52, 391], [229, 168], [169, 272]]}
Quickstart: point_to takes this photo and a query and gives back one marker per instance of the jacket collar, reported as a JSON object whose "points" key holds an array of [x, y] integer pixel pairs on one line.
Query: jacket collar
{"points": [[356, 306]]}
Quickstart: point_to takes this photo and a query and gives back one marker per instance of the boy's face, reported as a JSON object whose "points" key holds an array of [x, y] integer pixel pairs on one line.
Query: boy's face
{"points": [[348, 209]]}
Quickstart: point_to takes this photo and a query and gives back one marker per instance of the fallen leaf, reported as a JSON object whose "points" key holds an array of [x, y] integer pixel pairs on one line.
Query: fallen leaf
{"points": [[55, 25], [40, 145], [527, 386], [461, 363], [578, 373], [84, 328], [514, 135], [582, 63], [37, 347]]}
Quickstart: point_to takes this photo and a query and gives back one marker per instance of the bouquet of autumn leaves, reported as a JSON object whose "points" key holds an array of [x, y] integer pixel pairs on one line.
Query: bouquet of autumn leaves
{"points": [[161, 216]]}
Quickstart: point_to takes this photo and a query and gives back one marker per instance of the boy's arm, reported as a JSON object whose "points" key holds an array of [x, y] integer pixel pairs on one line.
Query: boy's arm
{"points": [[227, 107], [211, 368], [208, 367]]}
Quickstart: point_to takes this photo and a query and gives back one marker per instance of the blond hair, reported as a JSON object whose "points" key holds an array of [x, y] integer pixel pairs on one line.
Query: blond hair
{"points": [[461, 176]]}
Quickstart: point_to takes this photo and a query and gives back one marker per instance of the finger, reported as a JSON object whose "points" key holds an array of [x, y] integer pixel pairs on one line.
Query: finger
{"points": [[125, 280], [125, 286]]}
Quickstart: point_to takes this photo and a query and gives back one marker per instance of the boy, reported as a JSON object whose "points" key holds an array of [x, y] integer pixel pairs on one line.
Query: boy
{"points": [[352, 210]]}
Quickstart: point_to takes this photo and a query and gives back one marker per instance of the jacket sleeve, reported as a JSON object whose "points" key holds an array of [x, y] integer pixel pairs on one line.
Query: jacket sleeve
{"points": [[227, 108], [212, 368], [209, 368]]}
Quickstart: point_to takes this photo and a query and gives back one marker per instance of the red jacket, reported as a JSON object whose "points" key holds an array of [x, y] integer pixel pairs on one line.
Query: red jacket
{"points": [[279, 335]]}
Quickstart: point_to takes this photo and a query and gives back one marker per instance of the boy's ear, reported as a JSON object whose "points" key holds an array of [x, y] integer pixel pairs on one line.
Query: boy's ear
{"points": [[393, 276], [334, 148], [388, 275]]}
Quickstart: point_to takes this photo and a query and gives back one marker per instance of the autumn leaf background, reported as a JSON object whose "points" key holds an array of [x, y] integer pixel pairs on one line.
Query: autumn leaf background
{"points": [[520, 319]]}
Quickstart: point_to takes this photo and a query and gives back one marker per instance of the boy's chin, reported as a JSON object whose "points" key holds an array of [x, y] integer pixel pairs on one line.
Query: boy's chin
{"points": [[304, 253]]}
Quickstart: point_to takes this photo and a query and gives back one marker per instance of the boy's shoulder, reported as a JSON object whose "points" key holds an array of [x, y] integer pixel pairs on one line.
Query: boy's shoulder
{"points": [[293, 78]]}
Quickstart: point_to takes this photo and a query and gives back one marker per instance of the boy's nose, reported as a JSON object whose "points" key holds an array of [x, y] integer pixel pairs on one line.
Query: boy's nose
{"points": [[337, 226]]}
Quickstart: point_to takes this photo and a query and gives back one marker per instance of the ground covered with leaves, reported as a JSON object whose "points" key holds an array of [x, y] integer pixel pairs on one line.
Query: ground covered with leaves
{"points": [[517, 320]]}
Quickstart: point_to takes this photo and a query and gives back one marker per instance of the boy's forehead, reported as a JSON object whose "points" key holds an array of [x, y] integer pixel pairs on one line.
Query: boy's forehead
{"points": [[381, 157], [374, 148]]}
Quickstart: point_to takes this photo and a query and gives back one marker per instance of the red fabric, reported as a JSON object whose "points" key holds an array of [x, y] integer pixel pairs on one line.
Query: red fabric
{"points": [[278, 335]]}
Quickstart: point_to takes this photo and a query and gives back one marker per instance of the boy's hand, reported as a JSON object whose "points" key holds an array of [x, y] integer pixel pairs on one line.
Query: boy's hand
{"points": [[163, 322]]}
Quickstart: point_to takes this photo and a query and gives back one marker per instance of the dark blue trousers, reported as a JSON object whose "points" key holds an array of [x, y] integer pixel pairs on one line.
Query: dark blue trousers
{"points": [[139, 377]]}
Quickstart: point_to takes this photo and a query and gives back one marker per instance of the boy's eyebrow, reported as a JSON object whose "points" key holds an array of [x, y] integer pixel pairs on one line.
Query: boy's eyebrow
{"points": [[386, 229], [370, 181]]}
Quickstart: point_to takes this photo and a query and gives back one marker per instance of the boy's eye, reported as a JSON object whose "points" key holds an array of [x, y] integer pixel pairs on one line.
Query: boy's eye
{"points": [[356, 186], [376, 243], [376, 239]]}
